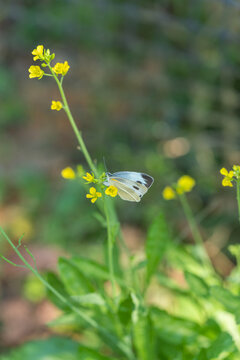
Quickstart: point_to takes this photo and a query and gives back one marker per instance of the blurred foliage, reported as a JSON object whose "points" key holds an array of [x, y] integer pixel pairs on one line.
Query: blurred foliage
{"points": [[199, 320], [155, 88]]}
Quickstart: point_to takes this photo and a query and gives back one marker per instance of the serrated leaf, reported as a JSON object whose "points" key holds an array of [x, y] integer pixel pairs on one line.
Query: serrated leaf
{"points": [[74, 280], [196, 284], [156, 245]]}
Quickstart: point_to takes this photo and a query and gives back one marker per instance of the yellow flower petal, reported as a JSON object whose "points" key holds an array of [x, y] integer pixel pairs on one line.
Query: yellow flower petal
{"points": [[94, 199], [168, 193], [186, 183], [92, 191], [89, 196], [98, 194], [61, 68], [230, 174], [226, 182], [224, 172], [38, 52], [236, 167], [88, 177], [35, 71], [68, 173], [56, 105], [111, 191]]}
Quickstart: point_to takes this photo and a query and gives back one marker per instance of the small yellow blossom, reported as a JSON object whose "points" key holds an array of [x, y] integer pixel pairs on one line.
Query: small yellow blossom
{"points": [[236, 170], [227, 182], [35, 71], [93, 194], [56, 105], [168, 193], [228, 177], [111, 191], [68, 173], [236, 167], [88, 177], [38, 52], [61, 68], [185, 184]]}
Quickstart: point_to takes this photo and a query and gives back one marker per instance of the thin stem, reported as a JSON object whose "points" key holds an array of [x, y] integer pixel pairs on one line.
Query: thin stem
{"points": [[238, 198], [110, 244], [194, 228], [74, 126], [94, 169], [121, 346]]}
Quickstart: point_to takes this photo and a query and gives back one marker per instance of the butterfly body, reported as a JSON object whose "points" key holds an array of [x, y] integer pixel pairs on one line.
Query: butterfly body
{"points": [[131, 185]]}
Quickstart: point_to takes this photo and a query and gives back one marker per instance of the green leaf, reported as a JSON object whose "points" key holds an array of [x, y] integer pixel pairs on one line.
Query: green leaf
{"points": [[50, 349], [55, 282], [87, 353], [91, 268], [143, 336], [75, 282], [221, 347], [156, 245], [196, 284], [89, 299], [226, 298], [125, 310]]}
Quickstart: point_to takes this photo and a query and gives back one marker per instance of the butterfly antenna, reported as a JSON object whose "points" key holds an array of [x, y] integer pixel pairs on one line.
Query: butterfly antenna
{"points": [[104, 162]]}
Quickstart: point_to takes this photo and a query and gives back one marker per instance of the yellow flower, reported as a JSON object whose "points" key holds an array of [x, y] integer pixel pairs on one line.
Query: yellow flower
{"points": [[38, 52], [236, 167], [88, 177], [185, 184], [68, 173], [111, 191], [168, 193], [61, 68], [93, 194], [35, 71], [228, 177], [56, 105], [227, 182]]}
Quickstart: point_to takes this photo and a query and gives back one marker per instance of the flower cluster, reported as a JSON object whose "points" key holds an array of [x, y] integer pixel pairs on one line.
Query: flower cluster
{"points": [[184, 184], [46, 57], [230, 176], [70, 174]]}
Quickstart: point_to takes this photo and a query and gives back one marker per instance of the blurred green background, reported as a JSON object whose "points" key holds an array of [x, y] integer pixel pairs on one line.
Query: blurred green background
{"points": [[154, 87]]}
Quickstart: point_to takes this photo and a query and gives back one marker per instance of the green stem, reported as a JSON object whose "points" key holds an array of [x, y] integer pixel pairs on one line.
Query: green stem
{"points": [[110, 243], [238, 198], [73, 124], [94, 169], [194, 228], [121, 346]]}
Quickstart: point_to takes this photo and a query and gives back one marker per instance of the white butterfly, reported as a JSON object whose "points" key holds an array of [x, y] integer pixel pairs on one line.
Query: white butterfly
{"points": [[131, 185]]}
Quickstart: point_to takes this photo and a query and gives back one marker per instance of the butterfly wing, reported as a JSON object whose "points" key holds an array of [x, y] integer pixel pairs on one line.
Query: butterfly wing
{"points": [[138, 177], [125, 191]]}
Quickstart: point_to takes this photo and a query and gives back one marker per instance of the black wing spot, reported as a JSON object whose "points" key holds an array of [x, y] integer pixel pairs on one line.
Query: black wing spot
{"points": [[148, 179], [139, 182], [136, 187]]}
